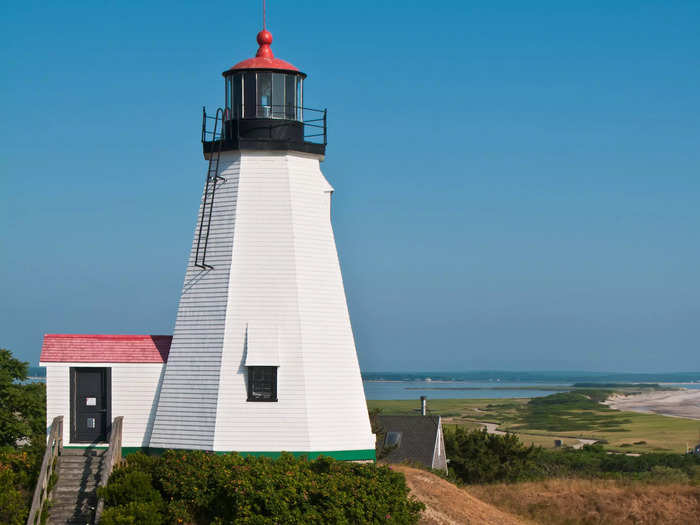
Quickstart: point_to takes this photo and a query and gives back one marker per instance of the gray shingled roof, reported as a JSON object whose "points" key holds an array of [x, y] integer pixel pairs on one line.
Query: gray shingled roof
{"points": [[418, 435]]}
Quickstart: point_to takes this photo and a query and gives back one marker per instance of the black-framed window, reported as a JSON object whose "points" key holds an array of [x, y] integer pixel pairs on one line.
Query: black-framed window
{"points": [[262, 383]]}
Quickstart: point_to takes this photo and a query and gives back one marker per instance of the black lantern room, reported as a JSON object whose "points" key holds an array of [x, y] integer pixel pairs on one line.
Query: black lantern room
{"points": [[264, 108]]}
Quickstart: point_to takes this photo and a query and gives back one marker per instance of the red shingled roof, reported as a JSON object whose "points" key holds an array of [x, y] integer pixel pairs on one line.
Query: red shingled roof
{"points": [[264, 58], [89, 348]]}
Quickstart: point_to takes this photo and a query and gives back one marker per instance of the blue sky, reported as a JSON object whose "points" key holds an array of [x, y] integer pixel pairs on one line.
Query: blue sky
{"points": [[517, 183]]}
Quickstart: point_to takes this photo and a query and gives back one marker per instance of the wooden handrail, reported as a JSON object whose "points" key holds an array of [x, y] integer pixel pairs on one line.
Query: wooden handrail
{"points": [[54, 448], [112, 458]]}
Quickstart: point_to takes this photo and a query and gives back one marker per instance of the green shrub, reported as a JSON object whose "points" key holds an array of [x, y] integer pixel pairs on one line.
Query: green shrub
{"points": [[22, 403], [480, 457], [565, 411], [18, 473], [693, 473], [126, 486], [22, 419], [208, 488], [659, 474], [134, 513], [13, 505], [477, 457]]}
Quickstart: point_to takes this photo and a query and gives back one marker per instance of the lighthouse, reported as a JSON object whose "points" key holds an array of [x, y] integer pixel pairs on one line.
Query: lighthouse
{"points": [[262, 358]]}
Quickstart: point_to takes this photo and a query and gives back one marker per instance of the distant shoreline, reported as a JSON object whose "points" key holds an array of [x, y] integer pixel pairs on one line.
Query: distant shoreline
{"points": [[546, 388]]}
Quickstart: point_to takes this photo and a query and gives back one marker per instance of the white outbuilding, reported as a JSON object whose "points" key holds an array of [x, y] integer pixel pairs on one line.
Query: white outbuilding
{"points": [[90, 379]]}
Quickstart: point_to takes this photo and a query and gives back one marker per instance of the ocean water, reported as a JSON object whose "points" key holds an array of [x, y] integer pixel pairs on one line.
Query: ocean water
{"points": [[496, 384], [486, 384], [37, 373]]}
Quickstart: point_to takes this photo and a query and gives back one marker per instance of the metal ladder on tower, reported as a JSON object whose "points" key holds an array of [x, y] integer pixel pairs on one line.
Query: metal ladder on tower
{"points": [[217, 139]]}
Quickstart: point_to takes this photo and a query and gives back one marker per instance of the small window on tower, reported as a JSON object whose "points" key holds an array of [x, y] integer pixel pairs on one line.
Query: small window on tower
{"points": [[262, 383]]}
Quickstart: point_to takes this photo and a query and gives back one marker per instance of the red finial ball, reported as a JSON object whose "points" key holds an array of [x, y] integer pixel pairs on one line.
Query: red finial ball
{"points": [[264, 38], [264, 41]]}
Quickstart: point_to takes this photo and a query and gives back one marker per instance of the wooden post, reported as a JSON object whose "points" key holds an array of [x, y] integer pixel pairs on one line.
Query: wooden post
{"points": [[112, 457], [54, 448]]}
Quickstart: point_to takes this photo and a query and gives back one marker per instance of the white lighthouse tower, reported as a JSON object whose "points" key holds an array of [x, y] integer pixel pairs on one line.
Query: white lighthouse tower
{"points": [[263, 358]]}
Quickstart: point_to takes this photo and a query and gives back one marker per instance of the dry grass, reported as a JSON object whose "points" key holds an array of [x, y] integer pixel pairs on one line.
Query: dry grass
{"points": [[584, 502], [447, 504], [554, 502]]}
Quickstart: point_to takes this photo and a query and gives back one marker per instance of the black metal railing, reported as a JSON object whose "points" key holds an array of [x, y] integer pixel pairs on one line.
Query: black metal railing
{"points": [[313, 121]]}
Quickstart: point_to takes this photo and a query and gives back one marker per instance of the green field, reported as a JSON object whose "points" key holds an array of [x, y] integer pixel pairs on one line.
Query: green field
{"points": [[566, 415]]}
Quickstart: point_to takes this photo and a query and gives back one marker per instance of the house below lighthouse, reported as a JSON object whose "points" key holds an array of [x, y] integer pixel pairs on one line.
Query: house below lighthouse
{"points": [[262, 358]]}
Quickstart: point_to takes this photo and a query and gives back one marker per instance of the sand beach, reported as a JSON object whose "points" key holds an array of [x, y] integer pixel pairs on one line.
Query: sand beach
{"points": [[675, 403]]}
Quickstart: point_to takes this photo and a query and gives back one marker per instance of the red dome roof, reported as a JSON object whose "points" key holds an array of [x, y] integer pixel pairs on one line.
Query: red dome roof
{"points": [[263, 59]]}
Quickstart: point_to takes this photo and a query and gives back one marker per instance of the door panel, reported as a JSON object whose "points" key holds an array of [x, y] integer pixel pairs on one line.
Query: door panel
{"points": [[91, 404]]}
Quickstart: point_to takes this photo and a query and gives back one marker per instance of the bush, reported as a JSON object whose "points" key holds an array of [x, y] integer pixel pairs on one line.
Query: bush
{"points": [[22, 403], [594, 461], [13, 502], [479, 457], [660, 474], [207, 488], [18, 473], [22, 420], [126, 486], [134, 513]]}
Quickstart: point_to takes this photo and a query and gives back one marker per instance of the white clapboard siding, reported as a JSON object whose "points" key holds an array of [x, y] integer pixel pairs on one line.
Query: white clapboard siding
{"points": [[186, 411], [276, 282], [336, 405], [285, 274], [263, 292], [134, 392]]}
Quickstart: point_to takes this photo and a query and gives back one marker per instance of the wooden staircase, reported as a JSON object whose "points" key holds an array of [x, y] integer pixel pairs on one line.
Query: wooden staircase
{"points": [[77, 473], [74, 498]]}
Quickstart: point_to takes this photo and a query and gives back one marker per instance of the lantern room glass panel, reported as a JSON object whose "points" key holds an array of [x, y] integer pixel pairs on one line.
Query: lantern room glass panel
{"points": [[249, 95], [264, 98], [264, 94], [289, 97], [278, 95], [227, 107], [300, 99], [236, 96]]}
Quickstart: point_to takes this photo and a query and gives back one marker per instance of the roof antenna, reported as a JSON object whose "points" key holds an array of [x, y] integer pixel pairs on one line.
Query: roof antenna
{"points": [[264, 39]]}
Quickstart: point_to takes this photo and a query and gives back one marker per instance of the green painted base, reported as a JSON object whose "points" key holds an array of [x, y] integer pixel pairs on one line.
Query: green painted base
{"points": [[343, 455]]}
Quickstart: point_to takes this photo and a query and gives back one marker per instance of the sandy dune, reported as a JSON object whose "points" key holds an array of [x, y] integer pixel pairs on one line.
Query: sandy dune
{"points": [[676, 403]]}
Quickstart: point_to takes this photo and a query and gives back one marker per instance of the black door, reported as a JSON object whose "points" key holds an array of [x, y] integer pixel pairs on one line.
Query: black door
{"points": [[90, 396]]}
